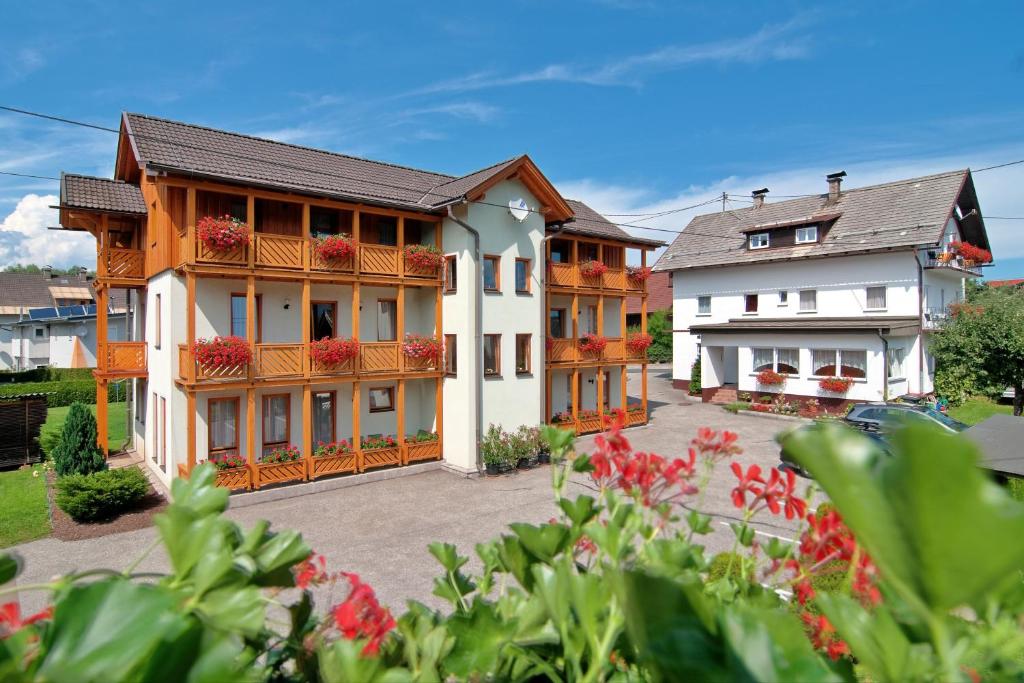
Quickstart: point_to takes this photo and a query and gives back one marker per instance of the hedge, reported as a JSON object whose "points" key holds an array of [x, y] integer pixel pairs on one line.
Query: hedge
{"points": [[46, 374], [102, 495], [63, 393]]}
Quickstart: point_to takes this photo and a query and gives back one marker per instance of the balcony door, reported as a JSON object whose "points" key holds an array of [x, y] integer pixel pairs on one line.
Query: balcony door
{"points": [[238, 316], [324, 319], [387, 320]]}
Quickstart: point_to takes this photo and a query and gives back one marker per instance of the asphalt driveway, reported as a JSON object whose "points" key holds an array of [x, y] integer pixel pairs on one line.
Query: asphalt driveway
{"points": [[381, 530]]}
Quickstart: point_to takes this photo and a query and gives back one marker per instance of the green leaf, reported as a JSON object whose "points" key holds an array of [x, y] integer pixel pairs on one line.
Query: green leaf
{"points": [[744, 533], [698, 523], [234, 609], [479, 637], [10, 567], [543, 542], [770, 645], [276, 557], [448, 556], [933, 523], [516, 561], [581, 510], [777, 549], [582, 464]]}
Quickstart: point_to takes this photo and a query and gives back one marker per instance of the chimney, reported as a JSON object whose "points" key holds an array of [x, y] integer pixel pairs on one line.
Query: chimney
{"points": [[834, 181], [758, 196]]}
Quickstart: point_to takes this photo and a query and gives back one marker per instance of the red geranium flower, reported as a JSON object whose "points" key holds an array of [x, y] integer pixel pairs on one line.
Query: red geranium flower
{"points": [[361, 616]]}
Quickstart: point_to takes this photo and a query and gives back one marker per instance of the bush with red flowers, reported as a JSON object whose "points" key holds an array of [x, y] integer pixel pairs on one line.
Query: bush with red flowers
{"points": [[638, 343], [592, 343], [593, 268], [836, 385], [423, 256], [324, 450], [333, 351], [334, 247], [222, 234], [563, 417], [770, 378], [971, 253], [638, 273], [370, 443], [228, 462], [282, 454], [222, 352], [423, 346]]}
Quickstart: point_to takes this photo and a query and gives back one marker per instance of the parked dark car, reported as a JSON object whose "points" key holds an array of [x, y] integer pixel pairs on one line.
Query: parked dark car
{"points": [[881, 415], [878, 438]]}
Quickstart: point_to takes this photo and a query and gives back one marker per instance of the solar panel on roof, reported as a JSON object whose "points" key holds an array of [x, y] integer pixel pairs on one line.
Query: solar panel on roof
{"points": [[41, 313]]}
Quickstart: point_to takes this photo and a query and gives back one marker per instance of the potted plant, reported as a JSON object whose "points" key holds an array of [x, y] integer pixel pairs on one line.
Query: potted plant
{"points": [[333, 353], [378, 451], [638, 343], [770, 378], [423, 445], [334, 248], [541, 447], [592, 268], [592, 344], [281, 464], [590, 421], [425, 259], [422, 352], [635, 413], [970, 253], [222, 234], [222, 355], [333, 458], [525, 443], [638, 273], [563, 420], [835, 385], [232, 471], [493, 450]]}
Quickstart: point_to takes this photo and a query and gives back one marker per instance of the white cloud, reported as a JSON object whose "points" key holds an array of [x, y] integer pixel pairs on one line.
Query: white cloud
{"points": [[19, 63], [997, 192], [24, 237]]}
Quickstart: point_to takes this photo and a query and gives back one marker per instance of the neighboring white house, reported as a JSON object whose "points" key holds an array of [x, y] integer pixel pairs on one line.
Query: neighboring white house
{"points": [[848, 283]]}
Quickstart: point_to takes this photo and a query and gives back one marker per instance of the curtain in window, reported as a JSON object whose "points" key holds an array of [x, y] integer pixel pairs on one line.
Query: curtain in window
{"points": [[275, 419], [823, 362], [387, 320], [750, 303], [853, 364], [323, 321], [763, 359], [490, 354], [704, 304], [591, 320], [809, 300], [895, 359], [521, 276], [223, 429], [323, 418], [490, 274], [788, 361], [876, 297]]}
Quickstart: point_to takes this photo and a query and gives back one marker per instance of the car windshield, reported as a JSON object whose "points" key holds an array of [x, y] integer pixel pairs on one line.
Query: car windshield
{"points": [[944, 419]]}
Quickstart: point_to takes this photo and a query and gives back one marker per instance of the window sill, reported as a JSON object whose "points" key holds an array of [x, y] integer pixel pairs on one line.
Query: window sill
{"points": [[703, 315], [893, 380], [491, 291], [492, 375], [451, 375], [527, 373], [450, 291], [875, 310], [523, 292], [751, 314], [807, 312], [855, 380]]}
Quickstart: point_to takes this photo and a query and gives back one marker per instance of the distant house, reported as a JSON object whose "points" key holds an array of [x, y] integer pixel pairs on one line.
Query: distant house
{"points": [[1016, 282], [50, 320], [846, 284], [659, 298]]}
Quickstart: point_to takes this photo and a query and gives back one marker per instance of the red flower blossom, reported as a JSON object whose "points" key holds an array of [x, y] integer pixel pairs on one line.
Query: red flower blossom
{"points": [[592, 343], [823, 635], [748, 483], [334, 247], [593, 268], [311, 572], [638, 343], [11, 621], [419, 346], [222, 234], [361, 616], [333, 351], [222, 352], [423, 256], [638, 273]]}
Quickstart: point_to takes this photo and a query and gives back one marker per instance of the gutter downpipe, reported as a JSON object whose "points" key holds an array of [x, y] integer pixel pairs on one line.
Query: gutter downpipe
{"points": [[478, 348], [885, 364], [920, 323]]}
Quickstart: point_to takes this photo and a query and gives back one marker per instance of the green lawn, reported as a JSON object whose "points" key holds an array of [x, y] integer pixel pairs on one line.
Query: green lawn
{"points": [[978, 409], [24, 515], [117, 425]]}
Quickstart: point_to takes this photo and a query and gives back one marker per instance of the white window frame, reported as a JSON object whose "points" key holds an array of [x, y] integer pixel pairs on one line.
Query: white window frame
{"points": [[867, 298], [757, 237], [814, 308], [783, 297], [700, 307], [837, 363], [902, 374], [775, 359], [809, 232]]}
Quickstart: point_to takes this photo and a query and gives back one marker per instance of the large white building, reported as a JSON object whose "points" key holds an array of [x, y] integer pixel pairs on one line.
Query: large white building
{"points": [[844, 284]]}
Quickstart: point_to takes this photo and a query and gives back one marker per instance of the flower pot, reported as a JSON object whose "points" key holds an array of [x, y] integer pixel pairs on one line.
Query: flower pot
{"points": [[523, 464], [382, 457], [274, 472], [234, 478], [544, 458], [333, 464], [590, 425], [492, 469], [423, 450], [505, 467]]}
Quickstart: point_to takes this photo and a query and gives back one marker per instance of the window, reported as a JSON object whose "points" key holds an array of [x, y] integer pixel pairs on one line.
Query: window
{"points": [[451, 274], [156, 430], [140, 405], [895, 358], [451, 365], [492, 354], [590, 320], [382, 399], [222, 423], [557, 323], [387, 320], [606, 399], [523, 366], [163, 433], [758, 240], [238, 315], [807, 234], [492, 273], [764, 359], [324, 416], [809, 300], [750, 303], [523, 275], [276, 421], [586, 251], [322, 319], [40, 332], [876, 298], [842, 363], [703, 305], [157, 327], [783, 297]]}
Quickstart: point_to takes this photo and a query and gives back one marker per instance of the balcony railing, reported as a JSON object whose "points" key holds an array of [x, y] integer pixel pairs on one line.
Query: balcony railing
{"points": [[125, 264], [614, 279], [568, 351], [278, 360], [934, 318], [124, 358], [951, 261], [375, 259], [279, 251], [379, 357]]}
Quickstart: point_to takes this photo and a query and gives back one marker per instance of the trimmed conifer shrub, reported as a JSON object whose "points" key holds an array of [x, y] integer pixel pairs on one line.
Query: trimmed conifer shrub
{"points": [[76, 451]]}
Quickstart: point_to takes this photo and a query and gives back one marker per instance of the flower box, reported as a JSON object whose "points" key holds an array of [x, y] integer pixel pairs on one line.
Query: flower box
{"points": [[423, 450], [333, 356], [970, 253], [234, 478], [638, 274], [223, 234], [637, 344], [423, 260], [222, 356], [835, 385], [274, 472], [589, 421], [333, 458], [592, 346], [334, 248], [636, 417], [593, 268], [422, 352], [770, 378], [379, 451]]}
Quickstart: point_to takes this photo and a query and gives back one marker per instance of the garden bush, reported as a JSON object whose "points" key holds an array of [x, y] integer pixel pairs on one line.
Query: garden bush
{"points": [[101, 495], [63, 392], [695, 378], [76, 451], [46, 374], [725, 564]]}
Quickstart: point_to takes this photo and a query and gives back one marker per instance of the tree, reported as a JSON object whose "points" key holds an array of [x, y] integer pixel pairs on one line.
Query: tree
{"points": [[76, 451], [659, 326], [981, 348], [33, 268]]}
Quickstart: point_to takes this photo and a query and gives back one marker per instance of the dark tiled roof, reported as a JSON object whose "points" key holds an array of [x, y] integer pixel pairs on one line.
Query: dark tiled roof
{"points": [[100, 194], [32, 290], [1005, 283], [458, 187], [898, 214], [659, 295], [592, 224], [809, 324]]}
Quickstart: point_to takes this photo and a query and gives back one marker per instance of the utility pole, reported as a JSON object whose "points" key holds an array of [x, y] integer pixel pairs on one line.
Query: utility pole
{"points": [[724, 199]]}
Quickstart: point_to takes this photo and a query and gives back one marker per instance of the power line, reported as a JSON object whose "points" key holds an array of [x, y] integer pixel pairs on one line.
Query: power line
{"points": [[29, 175], [1005, 218]]}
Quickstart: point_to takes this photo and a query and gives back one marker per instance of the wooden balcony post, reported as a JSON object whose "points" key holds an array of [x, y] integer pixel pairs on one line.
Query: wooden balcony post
{"points": [[101, 328], [401, 246], [355, 315], [575, 325], [307, 429], [190, 325], [355, 241], [547, 395], [643, 264], [623, 378], [190, 430], [622, 323], [307, 332], [439, 410], [101, 416], [600, 315], [250, 318], [190, 225], [103, 246], [400, 422], [575, 264], [600, 392], [575, 394], [250, 218], [400, 327], [357, 441], [306, 240], [250, 432]]}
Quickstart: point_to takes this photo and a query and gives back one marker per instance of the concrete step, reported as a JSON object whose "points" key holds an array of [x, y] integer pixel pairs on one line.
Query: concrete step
{"points": [[724, 396]]}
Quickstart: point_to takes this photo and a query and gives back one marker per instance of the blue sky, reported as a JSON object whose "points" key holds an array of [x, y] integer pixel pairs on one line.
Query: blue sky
{"points": [[631, 105]]}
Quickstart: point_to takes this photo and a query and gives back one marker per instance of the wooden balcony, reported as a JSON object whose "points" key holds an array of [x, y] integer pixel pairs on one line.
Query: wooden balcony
{"points": [[126, 359], [375, 259], [273, 361], [344, 265], [562, 351], [280, 251], [379, 357], [567, 351], [561, 275], [122, 264], [615, 350], [418, 272], [567, 275]]}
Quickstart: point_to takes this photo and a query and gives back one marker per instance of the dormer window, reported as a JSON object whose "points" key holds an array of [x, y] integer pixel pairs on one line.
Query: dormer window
{"points": [[807, 234], [759, 240]]}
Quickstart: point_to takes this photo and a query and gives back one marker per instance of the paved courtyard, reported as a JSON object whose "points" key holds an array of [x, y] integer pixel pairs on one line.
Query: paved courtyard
{"points": [[381, 530]]}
